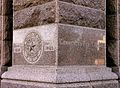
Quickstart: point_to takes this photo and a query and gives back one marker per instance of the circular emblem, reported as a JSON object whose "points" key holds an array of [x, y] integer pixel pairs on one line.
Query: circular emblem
{"points": [[32, 47]]}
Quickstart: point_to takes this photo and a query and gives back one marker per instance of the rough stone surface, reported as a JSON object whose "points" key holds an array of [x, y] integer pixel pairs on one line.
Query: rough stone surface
{"points": [[6, 52], [1, 23], [6, 39], [113, 34], [7, 28], [119, 54], [112, 53], [112, 28], [119, 6], [68, 14], [63, 45], [2, 70], [111, 7], [21, 4], [35, 16], [7, 7], [96, 4], [0, 33], [119, 25], [77, 15], [0, 7]]}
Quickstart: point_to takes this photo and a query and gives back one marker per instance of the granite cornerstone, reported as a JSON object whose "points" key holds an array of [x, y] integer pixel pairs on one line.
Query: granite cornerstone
{"points": [[56, 44]]}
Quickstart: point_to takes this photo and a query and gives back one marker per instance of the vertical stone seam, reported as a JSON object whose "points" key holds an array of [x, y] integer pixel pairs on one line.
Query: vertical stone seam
{"points": [[105, 33], [56, 21], [118, 30], [2, 37], [56, 11], [3, 59], [1, 30], [13, 4], [56, 63]]}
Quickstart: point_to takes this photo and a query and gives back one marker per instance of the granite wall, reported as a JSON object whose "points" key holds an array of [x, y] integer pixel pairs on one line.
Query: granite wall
{"points": [[112, 33], [90, 14], [82, 13], [0, 25], [5, 34], [72, 17], [7, 17]]}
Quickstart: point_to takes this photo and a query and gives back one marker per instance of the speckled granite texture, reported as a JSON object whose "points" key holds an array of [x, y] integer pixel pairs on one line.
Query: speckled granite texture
{"points": [[21, 4], [5, 34], [0, 7], [113, 33], [34, 16], [7, 7], [77, 15], [22, 84], [111, 6], [59, 77], [0, 32], [0, 25], [71, 32], [60, 74], [96, 4], [62, 12], [72, 45]]}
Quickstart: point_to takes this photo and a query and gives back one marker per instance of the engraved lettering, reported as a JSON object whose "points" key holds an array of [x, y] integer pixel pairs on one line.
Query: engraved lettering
{"points": [[17, 50], [49, 46]]}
